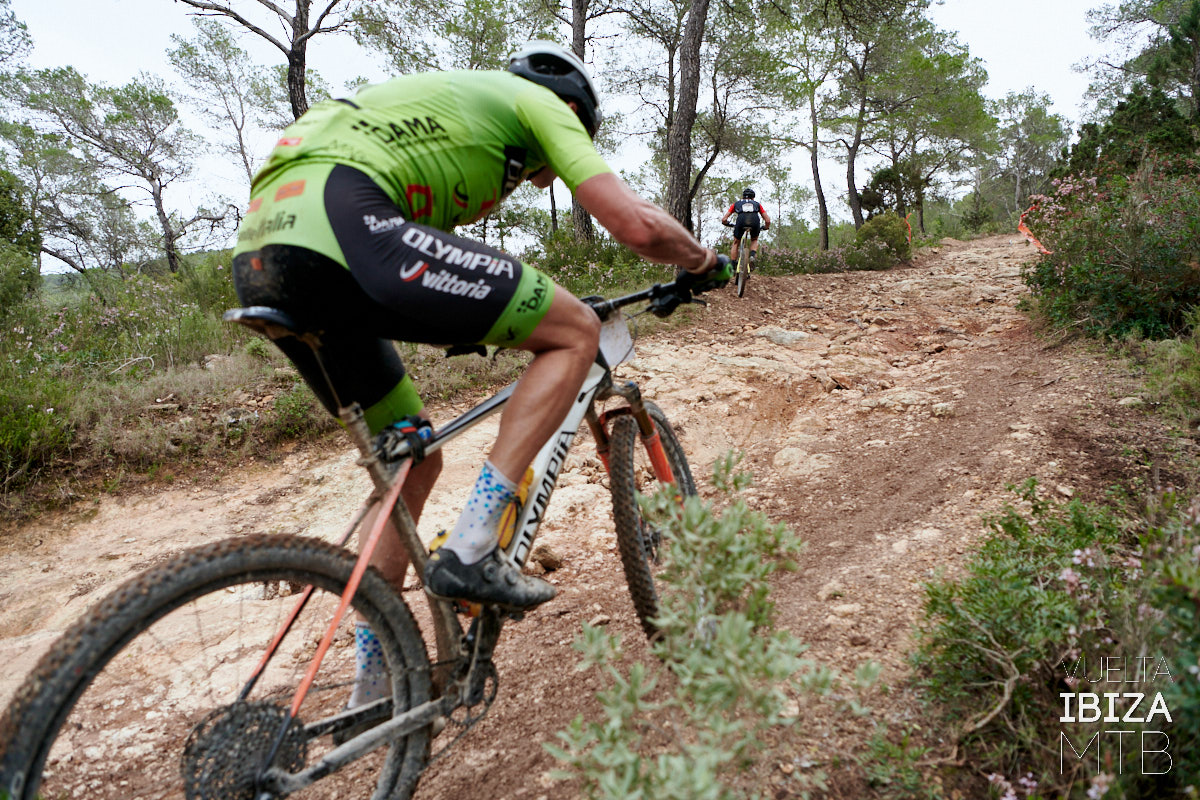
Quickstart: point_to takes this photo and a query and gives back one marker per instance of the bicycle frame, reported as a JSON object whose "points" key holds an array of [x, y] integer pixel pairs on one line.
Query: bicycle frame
{"points": [[464, 686]]}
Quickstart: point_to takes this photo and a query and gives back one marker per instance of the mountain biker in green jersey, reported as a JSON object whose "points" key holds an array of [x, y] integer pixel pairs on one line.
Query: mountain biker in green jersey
{"points": [[349, 230]]}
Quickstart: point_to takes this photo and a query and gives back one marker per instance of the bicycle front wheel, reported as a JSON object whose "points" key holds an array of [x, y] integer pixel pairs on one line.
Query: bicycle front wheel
{"points": [[743, 268], [142, 697], [640, 543]]}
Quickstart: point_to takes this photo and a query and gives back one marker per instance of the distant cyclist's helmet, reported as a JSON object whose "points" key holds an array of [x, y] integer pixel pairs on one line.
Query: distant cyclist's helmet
{"points": [[748, 194], [560, 71]]}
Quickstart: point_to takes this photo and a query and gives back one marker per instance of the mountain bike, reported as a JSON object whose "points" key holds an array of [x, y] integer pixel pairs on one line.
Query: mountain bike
{"points": [[223, 672], [741, 273]]}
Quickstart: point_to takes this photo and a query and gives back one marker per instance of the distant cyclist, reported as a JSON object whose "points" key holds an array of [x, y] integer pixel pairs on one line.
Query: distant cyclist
{"points": [[752, 216]]}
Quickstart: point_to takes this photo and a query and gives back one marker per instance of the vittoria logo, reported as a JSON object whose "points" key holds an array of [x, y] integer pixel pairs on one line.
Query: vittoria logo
{"points": [[449, 283]]}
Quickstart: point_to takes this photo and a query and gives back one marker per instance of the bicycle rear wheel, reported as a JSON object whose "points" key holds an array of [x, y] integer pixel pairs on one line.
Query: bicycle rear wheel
{"points": [[640, 543], [156, 669], [743, 268]]}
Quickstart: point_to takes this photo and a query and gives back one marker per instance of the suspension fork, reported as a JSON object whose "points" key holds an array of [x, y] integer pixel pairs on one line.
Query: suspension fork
{"points": [[646, 430]]}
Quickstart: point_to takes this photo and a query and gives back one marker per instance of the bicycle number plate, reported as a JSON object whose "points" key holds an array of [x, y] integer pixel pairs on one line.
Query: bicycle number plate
{"points": [[616, 345]]}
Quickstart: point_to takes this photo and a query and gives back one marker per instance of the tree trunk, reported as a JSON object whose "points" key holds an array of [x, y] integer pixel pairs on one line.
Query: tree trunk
{"points": [[580, 218], [814, 159], [679, 135], [852, 196], [822, 208], [553, 210], [585, 231], [170, 235], [296, 59]]}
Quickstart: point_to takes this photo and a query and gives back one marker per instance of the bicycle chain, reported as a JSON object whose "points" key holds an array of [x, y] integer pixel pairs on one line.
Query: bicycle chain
{"points": [[491, 686]]}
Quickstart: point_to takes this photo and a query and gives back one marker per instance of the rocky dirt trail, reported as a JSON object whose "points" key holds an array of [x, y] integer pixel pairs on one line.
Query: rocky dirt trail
{"points": [[882, 414]]}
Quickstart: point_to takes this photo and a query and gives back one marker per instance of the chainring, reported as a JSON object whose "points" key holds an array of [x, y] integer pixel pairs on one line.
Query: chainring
{"points": [[226, 750]]}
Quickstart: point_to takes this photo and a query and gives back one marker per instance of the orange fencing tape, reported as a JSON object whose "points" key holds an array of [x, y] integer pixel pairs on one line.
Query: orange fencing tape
{"points": [[1024, 229], [906, 216]]}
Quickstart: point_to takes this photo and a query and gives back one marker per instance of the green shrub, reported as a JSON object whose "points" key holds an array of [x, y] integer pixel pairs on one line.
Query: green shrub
{"points": [[1053, 590], [19, 279], [872, 254], [33, 429], [722, 666], [1173, 375], [297, 413], [601, 267], [1125, 251], [892, 231]]}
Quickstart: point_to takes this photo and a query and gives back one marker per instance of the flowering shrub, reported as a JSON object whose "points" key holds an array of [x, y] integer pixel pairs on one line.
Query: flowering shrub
{"points": [[1125, 257], [1056, 596]]}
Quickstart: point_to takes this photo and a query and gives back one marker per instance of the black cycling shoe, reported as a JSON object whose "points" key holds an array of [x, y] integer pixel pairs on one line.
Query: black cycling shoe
{"points": [[492, 580]]}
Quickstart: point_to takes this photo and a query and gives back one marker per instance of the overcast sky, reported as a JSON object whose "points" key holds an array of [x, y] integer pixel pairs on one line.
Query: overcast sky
{"points": [[1023, 43]]}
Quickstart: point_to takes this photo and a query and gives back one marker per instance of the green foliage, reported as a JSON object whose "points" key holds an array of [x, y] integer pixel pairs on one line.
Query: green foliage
{"points": [[19, 279], [890, 229], [1125, 251], [60, 356], [870, 254], [688, 730], [1178, 596], [599, 267], [892, 767], [17, 226], [1173, 374], [297, 413], [1054, 589], [1146, 122]]}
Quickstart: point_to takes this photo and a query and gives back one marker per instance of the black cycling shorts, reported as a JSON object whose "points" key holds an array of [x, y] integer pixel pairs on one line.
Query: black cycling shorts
{"points": [[403, 281], [740, 227]]}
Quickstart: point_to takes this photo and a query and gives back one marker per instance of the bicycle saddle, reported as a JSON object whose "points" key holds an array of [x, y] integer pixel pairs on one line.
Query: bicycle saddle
{"points": [[270, 322]]}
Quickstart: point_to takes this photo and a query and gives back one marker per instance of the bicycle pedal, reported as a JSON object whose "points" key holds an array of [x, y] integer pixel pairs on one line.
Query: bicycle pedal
{"points": [[467, 608]]}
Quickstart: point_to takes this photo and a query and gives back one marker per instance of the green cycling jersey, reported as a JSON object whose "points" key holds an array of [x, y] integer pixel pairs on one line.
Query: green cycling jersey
{"points": [[446, 147]]}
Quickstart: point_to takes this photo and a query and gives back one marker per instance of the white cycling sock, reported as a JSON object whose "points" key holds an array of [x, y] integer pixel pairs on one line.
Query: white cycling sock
{"points": [[370, 673], [475, 533]]}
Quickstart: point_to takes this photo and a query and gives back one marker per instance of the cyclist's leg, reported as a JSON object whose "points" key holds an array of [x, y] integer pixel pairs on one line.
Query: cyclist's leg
{"points": [[564, 345], [738, 230], [754, 231], [440, 288], [356, 365]]}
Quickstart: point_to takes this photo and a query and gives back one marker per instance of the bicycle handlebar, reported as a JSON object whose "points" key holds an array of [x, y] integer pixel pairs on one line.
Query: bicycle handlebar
{"points": [[664, 298]]}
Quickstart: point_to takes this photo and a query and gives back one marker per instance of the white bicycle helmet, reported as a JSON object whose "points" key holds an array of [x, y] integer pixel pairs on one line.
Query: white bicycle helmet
{"points": [[562, 72]]}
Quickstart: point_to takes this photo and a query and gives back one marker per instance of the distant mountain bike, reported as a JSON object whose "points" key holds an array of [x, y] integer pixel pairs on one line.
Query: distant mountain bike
{"points": [[222, 673], [741, 275]]}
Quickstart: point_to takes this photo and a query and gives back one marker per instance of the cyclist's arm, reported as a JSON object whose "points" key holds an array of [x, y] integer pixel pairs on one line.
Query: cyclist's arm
{"points": [[766, 219], [728, 214], [641, 226]]}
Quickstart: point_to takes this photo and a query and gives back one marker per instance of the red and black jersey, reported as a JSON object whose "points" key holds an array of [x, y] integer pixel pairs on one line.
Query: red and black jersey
{"points": [[748, 212]]}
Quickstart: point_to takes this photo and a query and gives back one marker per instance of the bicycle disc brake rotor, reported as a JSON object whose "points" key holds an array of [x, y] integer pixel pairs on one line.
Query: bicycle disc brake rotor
{"points": [[226, 750]]}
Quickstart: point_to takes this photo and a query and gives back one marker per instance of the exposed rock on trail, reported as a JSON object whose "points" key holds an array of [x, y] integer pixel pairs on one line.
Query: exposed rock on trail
{"points": [[881, 414]]}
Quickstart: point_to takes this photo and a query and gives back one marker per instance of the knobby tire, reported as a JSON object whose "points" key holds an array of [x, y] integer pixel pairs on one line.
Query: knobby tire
{"points": [[113, 702], [743, 268], [641, 544]]}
